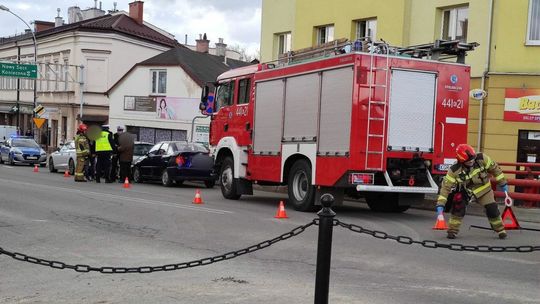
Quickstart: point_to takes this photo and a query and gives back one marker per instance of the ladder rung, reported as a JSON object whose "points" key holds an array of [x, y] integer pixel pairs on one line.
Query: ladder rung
{"points": [[374, 152], [373, 85], [376, 118], [375, 135], [382, 103], [380, 168], [379, 69]]}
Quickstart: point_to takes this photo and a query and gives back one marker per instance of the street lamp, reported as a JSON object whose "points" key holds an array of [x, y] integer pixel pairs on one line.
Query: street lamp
{"points": [[4, 8]]}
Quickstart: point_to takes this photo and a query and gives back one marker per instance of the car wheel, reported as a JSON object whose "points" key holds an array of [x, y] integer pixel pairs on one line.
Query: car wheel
{"points": [[210, 184], [166, 179], [51, 166], [300, 189], [137, 175], [228, 185], [71, 167], [1, 159]]}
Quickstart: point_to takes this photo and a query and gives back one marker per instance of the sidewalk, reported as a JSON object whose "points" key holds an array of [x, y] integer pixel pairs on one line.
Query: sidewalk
{"points": [[523, 214]]}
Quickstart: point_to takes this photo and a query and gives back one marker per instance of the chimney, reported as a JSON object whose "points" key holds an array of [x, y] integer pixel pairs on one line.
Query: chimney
{"points": [[58, 21], [221, 48], [203, 44], [42, 25], [136, 11], [74, 14]]}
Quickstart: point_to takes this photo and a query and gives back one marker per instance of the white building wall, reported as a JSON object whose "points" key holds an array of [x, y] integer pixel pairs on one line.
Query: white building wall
{"points": [[138, 83]]}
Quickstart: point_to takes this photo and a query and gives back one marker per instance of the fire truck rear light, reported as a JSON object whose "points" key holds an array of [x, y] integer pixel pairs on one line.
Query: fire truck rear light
{"points": [[361, 178]]}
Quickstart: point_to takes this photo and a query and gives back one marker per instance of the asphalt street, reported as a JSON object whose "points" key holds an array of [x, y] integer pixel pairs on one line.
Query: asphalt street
{"points": [[48, 216]]}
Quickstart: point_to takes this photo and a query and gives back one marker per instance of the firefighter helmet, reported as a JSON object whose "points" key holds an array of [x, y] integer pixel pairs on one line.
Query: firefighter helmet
{"points": [[465, 153], [82, 128]]}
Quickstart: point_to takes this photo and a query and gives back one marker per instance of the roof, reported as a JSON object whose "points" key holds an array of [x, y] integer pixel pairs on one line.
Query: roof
{"points": [[118, 23], [201, 67]]}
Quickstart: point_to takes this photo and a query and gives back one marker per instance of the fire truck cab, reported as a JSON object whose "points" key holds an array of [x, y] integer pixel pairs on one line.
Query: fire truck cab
{"points": [[383, 126]]}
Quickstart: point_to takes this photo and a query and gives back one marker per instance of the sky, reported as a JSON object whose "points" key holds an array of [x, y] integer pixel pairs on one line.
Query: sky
{"points": [[238, 22]]}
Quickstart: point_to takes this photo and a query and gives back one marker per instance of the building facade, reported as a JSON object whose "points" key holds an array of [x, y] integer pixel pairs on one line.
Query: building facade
{"points": [[158, 99], [77, 63], [506, 124]]}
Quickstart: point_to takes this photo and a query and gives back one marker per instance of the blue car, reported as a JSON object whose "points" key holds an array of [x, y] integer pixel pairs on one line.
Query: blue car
{"points": [[22, 150]]}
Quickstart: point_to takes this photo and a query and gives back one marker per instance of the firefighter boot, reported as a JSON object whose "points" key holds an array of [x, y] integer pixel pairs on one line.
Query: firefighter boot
{"points": [[495, 220], [453, 226]]}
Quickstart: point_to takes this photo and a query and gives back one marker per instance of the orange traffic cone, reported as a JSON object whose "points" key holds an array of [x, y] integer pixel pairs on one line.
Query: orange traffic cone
{"points": [[36, 169], [198, 198], [281, 211], [66, 173], [440, 224], [126, 183]]}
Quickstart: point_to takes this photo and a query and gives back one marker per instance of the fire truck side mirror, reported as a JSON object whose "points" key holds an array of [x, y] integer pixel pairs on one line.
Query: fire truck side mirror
{"points": [[204, 94]]}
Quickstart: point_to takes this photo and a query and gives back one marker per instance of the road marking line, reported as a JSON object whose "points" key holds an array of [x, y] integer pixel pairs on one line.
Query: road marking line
{"points": [[125, 198], [10, 167]]}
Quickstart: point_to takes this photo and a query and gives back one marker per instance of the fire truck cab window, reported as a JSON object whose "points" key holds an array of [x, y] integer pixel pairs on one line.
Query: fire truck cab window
{"points": [[225, 94], [243, 91]]}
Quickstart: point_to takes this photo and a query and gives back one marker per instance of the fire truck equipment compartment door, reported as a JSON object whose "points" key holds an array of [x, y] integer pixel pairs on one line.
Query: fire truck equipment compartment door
{"points": [[301, 108], [268, 117], [411, 111], [336, 104]]}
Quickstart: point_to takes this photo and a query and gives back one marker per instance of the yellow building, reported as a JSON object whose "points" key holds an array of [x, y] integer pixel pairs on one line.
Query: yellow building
{"points": [[506, 64]]}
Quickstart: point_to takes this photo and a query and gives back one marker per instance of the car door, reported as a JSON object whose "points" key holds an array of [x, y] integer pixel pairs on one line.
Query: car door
{"points": [[145, 166], [223, 106], [60, 161], [158, 160]]}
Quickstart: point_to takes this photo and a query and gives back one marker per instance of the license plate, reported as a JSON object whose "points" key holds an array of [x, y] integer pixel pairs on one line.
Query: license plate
{"points": [[31, 157]]}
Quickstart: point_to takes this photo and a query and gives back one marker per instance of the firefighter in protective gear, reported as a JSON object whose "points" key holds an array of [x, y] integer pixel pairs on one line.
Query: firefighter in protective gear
{"points": [[469, 180], [83, 152]]}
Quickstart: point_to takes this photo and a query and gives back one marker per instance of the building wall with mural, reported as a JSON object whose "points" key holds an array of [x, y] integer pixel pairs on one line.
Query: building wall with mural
{"points": [[508, 58]]}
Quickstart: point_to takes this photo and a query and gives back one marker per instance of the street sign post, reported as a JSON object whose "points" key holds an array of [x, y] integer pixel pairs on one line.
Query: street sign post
{"points": [[18, 70]]}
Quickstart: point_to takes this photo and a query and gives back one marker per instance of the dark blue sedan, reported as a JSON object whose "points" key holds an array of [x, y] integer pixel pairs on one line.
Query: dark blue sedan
{"points": [[22, 150], [175, 162]]}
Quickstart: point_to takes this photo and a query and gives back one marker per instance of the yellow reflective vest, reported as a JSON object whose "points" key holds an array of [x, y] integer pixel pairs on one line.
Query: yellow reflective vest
{"points": [[102, 143], [475, 179]]}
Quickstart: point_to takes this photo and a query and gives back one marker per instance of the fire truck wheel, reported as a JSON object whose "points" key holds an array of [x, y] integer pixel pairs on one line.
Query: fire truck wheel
{"points": [[300, 188], [384, 202], [228, 185]]}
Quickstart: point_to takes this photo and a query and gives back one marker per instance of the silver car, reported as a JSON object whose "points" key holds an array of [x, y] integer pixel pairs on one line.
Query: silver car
{"points": [[63, 159]]}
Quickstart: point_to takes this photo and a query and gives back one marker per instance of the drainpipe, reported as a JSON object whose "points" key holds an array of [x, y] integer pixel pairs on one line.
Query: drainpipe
{"points": [[484, 75]]}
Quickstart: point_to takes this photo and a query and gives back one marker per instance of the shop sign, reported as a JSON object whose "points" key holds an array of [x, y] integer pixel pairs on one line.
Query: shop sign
{"points": [[201, 134], [522, 105], [140, 103]]}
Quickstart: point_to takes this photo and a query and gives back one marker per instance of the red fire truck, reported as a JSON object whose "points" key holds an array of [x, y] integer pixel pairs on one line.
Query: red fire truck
{"points": [[382, 125]]}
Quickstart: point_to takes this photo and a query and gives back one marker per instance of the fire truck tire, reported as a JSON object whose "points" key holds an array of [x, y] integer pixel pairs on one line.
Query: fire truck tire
{"points": [[384, 202], [227, 182], [300, 189]]}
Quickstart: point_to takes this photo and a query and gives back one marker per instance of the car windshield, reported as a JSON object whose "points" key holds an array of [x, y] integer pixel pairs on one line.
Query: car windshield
{"points": [[141, 149], [25, 143], [188, 147]]}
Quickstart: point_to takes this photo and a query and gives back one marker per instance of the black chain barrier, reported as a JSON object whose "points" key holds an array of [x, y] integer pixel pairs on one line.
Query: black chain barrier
{"points": [[148, 269], [434, 244]]}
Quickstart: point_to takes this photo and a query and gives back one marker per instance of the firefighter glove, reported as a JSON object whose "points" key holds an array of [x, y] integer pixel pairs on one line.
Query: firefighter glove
{"points": [[504, 188], [440, 209]]}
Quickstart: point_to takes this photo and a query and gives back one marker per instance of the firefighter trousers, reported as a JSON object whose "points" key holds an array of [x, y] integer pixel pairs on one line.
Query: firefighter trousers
{"points": [[492, 212], [79, 169]]}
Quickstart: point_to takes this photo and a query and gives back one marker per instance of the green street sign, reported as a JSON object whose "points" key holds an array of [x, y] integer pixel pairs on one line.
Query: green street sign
{"points": [[18, 70]]}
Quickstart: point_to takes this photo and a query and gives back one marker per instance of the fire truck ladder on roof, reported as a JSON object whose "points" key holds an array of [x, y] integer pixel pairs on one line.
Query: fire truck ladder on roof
{"points": [[374, 151]]}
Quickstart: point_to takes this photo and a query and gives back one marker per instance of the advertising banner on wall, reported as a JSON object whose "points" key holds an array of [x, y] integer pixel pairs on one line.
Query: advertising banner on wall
{"points": [[139, 103], [522, 105], [176, 108]]}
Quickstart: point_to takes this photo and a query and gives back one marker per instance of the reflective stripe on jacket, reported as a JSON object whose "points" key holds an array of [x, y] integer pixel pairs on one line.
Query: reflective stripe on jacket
{"points": [[476, 178], [102, 143], [81, 145]]}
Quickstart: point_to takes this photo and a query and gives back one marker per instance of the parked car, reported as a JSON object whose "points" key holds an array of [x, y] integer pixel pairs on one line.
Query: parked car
{"points": [[140, 149], [63, 158], [22, 150], [175, 161]]}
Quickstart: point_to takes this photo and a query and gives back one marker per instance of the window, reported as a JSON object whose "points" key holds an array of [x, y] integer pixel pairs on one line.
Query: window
{"points": [[455, 23], [325, 34], [159, 82], [533, 25], [366, 28], [243, 91], [224, 96], [155, 149], [284, 43]]}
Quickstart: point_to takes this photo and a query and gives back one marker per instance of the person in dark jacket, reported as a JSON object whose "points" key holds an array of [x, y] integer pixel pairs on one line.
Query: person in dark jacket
{"points": [[126, 143], [114, 160]]}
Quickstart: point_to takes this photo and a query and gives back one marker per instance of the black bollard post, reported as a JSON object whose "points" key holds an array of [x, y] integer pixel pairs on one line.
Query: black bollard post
{"points": [[324, 249]]}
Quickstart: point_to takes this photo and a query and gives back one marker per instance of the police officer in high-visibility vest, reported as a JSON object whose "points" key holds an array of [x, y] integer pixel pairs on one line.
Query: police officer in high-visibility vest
{"points": [[104, 149], [82, 148], [469, 180]]}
